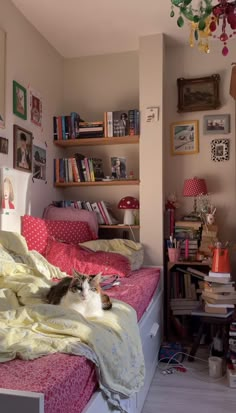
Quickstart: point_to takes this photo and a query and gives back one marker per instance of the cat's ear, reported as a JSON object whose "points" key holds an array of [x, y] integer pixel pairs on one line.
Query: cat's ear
{"points": [[95, 281]]}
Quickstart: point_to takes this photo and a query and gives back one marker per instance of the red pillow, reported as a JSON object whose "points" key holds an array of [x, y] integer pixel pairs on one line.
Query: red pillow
{"points": [[36, 232], [70, 257]]}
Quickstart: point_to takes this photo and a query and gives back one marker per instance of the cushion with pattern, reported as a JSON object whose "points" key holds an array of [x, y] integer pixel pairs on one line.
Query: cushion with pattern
{"points": [[36, 232]]}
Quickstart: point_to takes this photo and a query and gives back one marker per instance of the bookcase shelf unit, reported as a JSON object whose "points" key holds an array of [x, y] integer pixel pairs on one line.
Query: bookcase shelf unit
{"points": [[122, 140], [99, 183], [104, 141]]}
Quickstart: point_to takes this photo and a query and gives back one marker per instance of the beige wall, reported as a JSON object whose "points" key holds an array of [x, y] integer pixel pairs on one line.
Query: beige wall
{"points": [[220, 177], [30, 61]]}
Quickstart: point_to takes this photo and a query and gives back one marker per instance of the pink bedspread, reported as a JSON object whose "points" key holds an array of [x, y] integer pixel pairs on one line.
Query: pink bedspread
{"points": [[68, 381]]}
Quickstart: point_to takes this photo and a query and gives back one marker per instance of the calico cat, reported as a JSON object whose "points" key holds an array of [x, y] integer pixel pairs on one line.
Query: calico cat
{"points": [[81, 293]]}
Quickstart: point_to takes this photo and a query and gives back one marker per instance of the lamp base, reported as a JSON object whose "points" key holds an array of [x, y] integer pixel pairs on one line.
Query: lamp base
{"points": [[129, 217]]}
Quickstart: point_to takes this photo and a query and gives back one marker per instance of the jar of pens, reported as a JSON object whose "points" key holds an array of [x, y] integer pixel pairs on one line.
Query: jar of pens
{"points": [[173, 249]]}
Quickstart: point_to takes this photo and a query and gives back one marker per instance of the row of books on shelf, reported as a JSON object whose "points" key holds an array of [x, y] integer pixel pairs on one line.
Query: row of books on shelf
{"points": [[78, 169], [197, 293], [103, 210], [116, 123], [122, 123], [82, 169]]}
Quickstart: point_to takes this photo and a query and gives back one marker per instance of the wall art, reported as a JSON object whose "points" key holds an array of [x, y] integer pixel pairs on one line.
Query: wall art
{"points": [[220, 150], [216, 124], [184, 137], [198, 94]]}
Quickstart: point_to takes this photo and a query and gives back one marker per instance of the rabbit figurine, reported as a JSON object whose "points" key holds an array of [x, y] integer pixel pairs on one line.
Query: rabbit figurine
{"points": [[210, 217]]}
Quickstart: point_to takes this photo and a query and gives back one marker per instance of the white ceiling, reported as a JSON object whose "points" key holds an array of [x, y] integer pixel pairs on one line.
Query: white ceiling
{"points": [[89, 27]]}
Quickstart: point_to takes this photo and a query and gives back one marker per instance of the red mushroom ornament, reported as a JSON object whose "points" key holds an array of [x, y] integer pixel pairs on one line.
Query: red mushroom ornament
{"points": [[129, 204]]}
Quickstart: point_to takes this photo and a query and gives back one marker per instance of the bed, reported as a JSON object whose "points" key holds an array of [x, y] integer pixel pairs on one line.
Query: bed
{"points": [[65, 383]]}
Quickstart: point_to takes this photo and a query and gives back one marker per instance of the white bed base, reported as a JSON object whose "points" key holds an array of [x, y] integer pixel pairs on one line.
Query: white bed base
{"points": [[151, 331]]}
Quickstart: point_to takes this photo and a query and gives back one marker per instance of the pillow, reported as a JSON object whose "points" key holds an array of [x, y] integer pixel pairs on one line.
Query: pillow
{"points": [[36, 232], [130, 249], [70, 257], [72, 214], [14, 242]]}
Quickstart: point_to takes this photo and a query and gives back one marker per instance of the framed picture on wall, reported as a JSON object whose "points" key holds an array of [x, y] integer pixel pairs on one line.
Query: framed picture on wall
{"points": [[198, 94], [22, 157], [19, 100], [4, 145], [216, 124], [184, 137], [220, 150]]}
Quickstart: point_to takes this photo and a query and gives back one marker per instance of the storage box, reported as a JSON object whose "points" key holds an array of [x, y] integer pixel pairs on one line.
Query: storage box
{"points": [[231, 376]]}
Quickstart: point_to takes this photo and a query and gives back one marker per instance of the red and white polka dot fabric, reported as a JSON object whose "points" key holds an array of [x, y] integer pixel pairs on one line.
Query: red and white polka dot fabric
{"points": [[36, 232]]}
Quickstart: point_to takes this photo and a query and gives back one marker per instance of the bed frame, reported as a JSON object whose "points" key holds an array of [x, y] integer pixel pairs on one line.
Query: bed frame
{"points": [[151, 331]]}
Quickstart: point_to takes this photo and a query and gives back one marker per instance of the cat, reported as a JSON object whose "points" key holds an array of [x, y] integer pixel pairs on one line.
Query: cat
{"points": [[81, 293]]}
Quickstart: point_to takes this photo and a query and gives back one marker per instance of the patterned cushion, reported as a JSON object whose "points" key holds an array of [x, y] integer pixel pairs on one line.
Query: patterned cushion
{"points": [[72, 257], [72, 214], [36, 232]]}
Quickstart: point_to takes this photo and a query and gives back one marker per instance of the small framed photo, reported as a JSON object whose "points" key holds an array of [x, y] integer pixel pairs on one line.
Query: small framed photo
{"points": [[35, 108], [185, 137], [216, 124], [39, 163], [3, 145], [220, 150], [22, 158], [198, 94], [19, 100]]}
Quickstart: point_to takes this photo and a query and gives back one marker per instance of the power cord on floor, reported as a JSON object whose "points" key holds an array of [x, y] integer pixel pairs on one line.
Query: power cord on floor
{"points": [[181, 367]]}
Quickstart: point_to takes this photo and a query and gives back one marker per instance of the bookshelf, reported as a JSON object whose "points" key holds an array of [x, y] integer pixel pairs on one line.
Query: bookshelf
{"points": [[66, 144], [99, 183], [123, 140], [172, 268]]}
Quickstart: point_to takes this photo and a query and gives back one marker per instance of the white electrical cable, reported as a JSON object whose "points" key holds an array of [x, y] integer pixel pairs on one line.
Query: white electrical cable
{"points": [[179, 364]]}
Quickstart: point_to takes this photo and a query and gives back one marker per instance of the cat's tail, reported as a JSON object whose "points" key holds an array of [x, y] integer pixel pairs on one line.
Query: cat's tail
{"points": [[106, 302]]}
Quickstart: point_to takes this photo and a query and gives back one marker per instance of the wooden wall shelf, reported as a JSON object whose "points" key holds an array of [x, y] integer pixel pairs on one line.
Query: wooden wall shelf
{"points": [[98, 183], [69, 143], [120, 226]]}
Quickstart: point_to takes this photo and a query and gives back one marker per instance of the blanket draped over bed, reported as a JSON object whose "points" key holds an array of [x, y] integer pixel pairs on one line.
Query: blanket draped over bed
{"points": [[29, 328]]}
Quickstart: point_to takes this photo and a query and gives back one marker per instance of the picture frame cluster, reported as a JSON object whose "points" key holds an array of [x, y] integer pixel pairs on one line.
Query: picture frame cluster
{"points": [[200, 94]]}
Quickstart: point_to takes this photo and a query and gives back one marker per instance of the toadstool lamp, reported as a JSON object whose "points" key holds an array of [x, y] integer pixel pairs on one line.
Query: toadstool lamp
{"points": [[129, 203]]}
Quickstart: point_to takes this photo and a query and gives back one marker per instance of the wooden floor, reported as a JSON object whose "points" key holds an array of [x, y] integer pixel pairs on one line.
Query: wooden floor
{"points": [[190, 392]]}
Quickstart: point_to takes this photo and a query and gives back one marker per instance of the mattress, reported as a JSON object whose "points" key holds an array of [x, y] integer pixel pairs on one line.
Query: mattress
{"points": [[68, 381]]}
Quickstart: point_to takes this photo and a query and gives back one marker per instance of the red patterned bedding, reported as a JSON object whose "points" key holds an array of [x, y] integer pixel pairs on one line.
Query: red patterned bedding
{"points": [[68, 382]]}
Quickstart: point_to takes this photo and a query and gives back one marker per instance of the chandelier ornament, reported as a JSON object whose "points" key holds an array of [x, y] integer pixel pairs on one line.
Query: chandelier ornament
{"points": [[205, 20]]}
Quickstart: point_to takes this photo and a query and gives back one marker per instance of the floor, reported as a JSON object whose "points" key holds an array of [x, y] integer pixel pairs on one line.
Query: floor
{"points": [[192, 391]]}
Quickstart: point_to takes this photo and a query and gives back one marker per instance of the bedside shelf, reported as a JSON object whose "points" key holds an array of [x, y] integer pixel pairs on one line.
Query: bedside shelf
{"points": [[98, 183], [67, 143]]}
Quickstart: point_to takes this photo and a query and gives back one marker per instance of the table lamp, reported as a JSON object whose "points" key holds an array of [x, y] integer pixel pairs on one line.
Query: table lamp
{"points": [[194, 187], [129, 204]]}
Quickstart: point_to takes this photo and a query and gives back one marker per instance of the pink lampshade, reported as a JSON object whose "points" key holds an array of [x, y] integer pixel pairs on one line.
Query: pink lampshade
{"points": [[194, 187]]}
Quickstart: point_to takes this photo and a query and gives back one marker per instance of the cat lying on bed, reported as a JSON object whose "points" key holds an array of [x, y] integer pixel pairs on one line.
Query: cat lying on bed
{"points": [[81, 293]]}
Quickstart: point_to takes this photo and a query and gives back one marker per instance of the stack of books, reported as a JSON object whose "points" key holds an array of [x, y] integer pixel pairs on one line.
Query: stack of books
{"points": [[188, 233], [103, 209], [183, 293], [91, 129], [217, 292], [208, 238], [122, 123]]}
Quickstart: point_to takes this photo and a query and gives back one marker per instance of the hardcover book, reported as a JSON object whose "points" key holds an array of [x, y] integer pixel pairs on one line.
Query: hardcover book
{"points": [[120, 123]]}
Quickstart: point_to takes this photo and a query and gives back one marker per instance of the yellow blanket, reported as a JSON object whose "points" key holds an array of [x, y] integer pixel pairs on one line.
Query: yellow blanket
{"points": [[30, 328]]}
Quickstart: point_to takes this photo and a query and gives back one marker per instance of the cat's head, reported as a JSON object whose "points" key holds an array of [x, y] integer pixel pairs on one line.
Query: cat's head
{"points": [[85, 286]]}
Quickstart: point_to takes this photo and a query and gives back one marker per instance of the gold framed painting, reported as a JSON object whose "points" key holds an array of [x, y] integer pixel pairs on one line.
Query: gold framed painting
{"points": [[184, 137], [198, 94]]}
